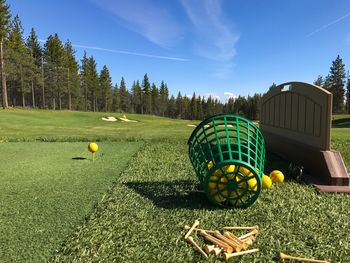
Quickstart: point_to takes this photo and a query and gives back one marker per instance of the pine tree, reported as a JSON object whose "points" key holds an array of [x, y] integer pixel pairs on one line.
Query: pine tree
{"points": [[5, 17], [319, 81], [179, 110], [185, 107], [172, 110], [164, 97], [124, 96], [93, 83], [336, 84], [146, 95], [72, 75], [136, 96], [106, 89], [21, 65], [155, 99], [37, 53], [193, 107], [348, 93], [84, 79], [55, 71], [116, 99]]}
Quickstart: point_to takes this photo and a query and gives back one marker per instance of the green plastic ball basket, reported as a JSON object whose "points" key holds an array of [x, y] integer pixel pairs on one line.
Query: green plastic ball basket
{"points": [[228, 155]]}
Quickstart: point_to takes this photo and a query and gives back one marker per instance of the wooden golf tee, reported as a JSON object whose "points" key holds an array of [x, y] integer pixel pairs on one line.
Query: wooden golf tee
{"points": [[287, 257], [93, 157], [186, 227], [190, 239], [236, 245], [251, 233], [196, 223], [218, 242], [212, 249], [227, 256], [241, 227], [209, 248], [243, 245]]}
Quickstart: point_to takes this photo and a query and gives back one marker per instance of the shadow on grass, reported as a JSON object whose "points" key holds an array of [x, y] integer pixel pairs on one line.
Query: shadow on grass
{"points": [[341, 123], [178, 194], [79, 158], [275, 162]]}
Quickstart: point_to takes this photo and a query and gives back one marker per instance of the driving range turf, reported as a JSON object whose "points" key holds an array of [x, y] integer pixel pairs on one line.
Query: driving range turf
{"points": [[131, 204]]}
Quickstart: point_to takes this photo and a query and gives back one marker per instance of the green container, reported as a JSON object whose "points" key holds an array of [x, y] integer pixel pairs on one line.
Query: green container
{"points": [[228, 155]]}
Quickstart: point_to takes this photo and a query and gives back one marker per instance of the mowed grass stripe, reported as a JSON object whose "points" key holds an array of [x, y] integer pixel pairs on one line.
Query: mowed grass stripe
{"points": [[45, 194], [142, 218]]}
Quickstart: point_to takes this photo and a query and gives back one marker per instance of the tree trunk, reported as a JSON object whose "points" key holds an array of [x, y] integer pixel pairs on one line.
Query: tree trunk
{"points": [[22, 89], [94, 104], [23, 100], [85, 98], [69, 100], [3, 78], [59, 101], [54, 102], [43, 82], [106, 104], [69, 94], [33, 95]]}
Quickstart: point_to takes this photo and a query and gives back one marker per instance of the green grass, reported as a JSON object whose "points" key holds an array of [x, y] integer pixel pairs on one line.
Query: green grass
{"points": [[48, 201], [341, 127], [45, 194], [48, 125], [158, 194]]}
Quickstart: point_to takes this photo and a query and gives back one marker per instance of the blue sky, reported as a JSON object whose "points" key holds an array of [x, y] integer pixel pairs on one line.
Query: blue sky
{"points": [[217, 47]]}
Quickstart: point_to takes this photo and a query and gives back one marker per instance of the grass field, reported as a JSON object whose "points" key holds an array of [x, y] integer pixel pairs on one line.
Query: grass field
{"points": [[42, 125], [137, 212]]}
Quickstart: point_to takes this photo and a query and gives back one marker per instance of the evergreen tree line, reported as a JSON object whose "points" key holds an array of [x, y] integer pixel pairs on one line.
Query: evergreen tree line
{"points": [[338, 83], [50, 77]]}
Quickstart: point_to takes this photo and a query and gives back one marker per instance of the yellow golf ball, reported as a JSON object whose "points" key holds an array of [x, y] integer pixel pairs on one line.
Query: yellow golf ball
{"points": [[93, 147], [253, 184], [218, 198], [229, 168], [277, 176], [217, 172], [244, 171], [266, 182], [210, 164]]}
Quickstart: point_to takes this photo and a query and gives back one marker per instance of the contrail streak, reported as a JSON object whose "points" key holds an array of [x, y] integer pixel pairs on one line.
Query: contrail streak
{"points": [[328, 25], [126, 52]]}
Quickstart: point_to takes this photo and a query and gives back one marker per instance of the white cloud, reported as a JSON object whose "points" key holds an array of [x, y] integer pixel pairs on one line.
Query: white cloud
{"points": [[146, 18], [215, 37], [125, 52], [230, 95], [328, 25]]}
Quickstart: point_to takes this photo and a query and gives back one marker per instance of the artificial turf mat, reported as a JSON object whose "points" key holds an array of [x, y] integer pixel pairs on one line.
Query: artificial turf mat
{"points": [[46, 190]]}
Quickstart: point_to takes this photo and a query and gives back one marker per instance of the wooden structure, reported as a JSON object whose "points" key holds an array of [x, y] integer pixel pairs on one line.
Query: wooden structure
{"points": [[295, 119]]}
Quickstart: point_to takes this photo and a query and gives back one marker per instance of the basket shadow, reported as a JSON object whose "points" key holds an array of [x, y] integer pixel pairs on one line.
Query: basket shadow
{"points": [[177, 194]]}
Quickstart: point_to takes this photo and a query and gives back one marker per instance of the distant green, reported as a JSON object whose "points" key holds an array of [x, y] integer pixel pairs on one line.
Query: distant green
{"points": [[49, 125]]}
